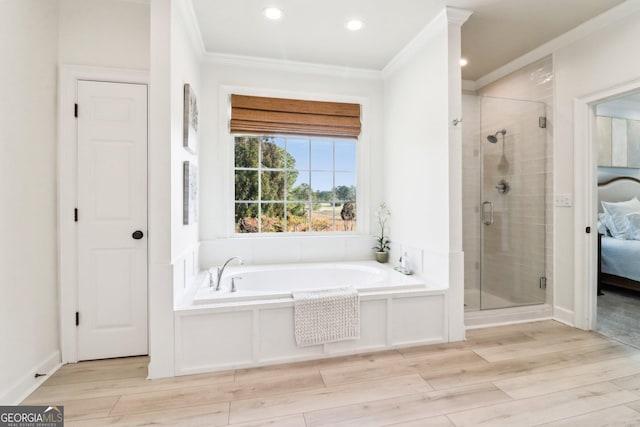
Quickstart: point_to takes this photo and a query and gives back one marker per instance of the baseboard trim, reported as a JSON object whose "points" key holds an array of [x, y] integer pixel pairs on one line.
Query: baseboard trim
{"points": [[28, 383], [563, 315]]}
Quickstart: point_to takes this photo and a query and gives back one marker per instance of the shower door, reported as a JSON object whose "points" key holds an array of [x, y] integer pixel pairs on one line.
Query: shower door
{"points": [[512, 205]]}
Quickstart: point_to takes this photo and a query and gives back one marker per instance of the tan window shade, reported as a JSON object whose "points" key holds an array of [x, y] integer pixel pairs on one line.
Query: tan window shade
{"points": [[258, 115]]}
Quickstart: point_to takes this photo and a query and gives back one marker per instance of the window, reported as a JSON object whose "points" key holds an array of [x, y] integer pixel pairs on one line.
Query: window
{"points": [[294, 184], [290, 183]]}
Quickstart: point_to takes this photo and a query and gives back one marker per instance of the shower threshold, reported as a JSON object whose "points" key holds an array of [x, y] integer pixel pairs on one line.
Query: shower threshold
{"points": [[506, 316]]}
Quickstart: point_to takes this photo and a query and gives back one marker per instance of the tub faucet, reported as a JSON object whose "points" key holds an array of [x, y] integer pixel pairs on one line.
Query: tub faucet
{"points": [[220, 271], [403, 267]]}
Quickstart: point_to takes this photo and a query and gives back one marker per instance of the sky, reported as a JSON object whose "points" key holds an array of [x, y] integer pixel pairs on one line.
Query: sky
{"points": [[314, 159]]}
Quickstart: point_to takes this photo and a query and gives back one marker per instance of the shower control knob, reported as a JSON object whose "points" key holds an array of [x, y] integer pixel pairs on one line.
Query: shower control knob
{"points": [[137, 235], [503, 187]]}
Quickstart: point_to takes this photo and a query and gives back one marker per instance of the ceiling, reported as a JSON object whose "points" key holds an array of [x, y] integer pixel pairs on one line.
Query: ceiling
{"points": [[498, 32]]}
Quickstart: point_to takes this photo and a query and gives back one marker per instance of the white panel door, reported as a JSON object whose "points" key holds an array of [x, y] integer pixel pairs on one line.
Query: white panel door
{"points": [[112, 220]]}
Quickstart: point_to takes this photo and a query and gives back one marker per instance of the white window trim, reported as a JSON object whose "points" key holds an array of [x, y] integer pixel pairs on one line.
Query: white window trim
{"points": [[363, 169]]}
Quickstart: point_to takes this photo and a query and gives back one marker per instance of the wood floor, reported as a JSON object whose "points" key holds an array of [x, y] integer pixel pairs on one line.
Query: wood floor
{"points": [[540, 373]]}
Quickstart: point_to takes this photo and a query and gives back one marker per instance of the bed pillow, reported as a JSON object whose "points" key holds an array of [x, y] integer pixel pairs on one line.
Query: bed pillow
{"points": [[603, 228], [633, 230], [617, 212]]}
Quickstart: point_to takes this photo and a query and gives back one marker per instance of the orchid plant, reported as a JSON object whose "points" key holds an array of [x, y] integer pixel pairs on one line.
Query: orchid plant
{"points": [[383, 241]]}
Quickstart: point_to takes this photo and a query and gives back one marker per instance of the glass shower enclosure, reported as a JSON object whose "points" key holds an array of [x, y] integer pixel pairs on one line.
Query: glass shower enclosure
{"points": [[504, 216]]}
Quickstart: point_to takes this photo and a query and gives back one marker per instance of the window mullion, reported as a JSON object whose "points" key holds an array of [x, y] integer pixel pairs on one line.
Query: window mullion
{"points": [[285, 195], [310, 197], [333, 190], [259, 185]]}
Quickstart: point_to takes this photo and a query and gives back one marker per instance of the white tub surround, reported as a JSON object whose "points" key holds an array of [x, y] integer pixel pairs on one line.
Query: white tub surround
{"points": [[260, 282], [255, 325]]}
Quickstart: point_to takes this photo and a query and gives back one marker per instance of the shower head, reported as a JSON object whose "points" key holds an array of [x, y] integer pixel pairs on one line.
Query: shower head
{"points": [[494, 138]]}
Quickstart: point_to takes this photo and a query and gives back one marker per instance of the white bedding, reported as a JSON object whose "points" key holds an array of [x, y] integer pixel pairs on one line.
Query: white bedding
{"points": [[621, 257]]}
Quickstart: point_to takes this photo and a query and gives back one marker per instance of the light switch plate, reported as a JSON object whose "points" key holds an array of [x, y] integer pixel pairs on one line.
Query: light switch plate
{"points": [[562, 200]]}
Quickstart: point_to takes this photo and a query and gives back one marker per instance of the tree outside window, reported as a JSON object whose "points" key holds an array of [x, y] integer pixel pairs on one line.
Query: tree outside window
{"points": [[294, 184]]}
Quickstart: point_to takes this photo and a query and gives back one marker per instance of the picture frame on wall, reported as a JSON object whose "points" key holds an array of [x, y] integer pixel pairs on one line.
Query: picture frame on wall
{"points": [[190, 121], [190, 193]]}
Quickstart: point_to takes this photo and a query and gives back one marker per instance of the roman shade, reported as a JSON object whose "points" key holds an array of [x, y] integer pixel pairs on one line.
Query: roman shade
{"points": [[267, 116]]}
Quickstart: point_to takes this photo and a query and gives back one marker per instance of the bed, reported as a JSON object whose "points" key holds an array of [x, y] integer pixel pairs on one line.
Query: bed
{"points": [[619, 259]]}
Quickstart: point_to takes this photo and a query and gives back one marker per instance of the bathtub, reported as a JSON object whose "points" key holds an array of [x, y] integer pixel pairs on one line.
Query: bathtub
{"points": [[254, 326], [278, 281]]}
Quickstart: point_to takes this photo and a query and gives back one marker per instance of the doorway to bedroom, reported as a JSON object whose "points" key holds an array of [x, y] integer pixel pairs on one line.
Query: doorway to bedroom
{"points": [[618, 142]]}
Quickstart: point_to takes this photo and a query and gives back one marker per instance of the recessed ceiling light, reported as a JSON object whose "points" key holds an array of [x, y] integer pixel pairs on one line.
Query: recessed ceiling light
{"points": [[272, 13], [355, 25], [463, 62]]}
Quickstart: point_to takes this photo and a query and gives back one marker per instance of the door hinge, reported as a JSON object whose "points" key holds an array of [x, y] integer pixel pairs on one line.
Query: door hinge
{"points": [[75, 214], [587, 230], [75, 110], [543, 282], [77, 318], [542, 122]]}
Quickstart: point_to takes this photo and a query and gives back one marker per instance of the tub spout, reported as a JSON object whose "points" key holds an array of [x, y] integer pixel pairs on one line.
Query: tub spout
{"points": [[220, 271]]}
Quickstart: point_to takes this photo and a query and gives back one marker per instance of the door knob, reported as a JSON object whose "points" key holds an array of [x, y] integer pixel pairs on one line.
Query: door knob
{"points": [[137, 234]]}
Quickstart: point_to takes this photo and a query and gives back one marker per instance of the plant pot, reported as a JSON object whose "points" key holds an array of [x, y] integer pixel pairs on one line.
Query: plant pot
{"points": [[382, 257]]}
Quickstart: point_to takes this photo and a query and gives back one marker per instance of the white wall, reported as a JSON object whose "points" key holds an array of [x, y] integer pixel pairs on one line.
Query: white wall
{"points": [[116, 34], [185, 68], [423, 157], [596, 63], [28, 285], [216, 159], [106, 33], [416, 152], [172, 245], [161, 324], [36, 36]]}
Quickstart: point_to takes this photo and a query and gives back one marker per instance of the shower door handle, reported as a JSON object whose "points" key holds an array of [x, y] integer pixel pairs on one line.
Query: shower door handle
{"points": [[484, 211]]}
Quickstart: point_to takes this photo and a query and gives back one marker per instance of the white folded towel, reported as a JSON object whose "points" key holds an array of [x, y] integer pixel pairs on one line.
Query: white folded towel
{"points": [[325, 316]]}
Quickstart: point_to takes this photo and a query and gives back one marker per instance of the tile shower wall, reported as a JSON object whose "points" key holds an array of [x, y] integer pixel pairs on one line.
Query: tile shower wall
{"points": [[533, 83], [513, 246]]}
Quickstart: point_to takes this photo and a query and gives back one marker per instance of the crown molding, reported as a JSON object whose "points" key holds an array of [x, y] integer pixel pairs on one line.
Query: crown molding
{"points": [[192, 26], [609, 17], [457, 16], [414, 45], [452, 15], [291, 66], [469, 85]]}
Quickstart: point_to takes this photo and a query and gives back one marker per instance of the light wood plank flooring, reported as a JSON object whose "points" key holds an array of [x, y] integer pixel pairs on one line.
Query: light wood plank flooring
{"points": [[541, 373]]}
